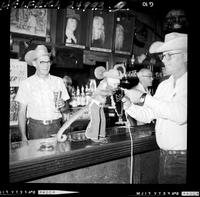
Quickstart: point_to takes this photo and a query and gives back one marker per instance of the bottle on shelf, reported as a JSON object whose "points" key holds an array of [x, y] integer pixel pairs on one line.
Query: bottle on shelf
{"points": [[83, 99], [78, 96], [87, 95], [73, 102], [93, 86]]}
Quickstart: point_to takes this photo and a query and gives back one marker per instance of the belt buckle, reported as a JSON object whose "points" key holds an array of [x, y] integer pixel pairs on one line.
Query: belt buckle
{"points": [[45, 122], [175, 152]]}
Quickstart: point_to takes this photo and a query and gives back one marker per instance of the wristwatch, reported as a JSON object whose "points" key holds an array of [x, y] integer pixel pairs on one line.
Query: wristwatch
{"points": [[142, 98]]}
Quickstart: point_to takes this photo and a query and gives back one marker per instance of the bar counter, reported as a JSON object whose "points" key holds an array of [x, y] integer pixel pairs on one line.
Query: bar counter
{"points": [[29, 163]]}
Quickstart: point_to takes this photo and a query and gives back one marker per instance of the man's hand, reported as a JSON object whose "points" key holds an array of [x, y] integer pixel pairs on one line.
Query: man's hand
{"points": [[60, 103], [126, 102]]}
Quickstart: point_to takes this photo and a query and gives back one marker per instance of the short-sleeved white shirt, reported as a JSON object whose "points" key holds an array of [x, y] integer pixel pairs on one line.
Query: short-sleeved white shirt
{"points": [[37, 94]]}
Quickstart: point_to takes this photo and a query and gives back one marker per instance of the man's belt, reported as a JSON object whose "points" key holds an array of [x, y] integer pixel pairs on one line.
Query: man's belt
{"points": [[44, 122], [174, 152]]}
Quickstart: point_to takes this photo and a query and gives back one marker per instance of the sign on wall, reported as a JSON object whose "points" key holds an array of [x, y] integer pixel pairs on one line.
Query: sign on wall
{"points": [[18, 72]]}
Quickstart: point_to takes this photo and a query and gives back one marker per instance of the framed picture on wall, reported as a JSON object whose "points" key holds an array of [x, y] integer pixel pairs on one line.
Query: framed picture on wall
{"points": [[75, 28], [123, 33], [101, 31], [32, 22]]}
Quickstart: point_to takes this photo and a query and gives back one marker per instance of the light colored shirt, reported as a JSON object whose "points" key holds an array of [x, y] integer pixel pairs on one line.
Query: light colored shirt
{"points": [[140, 87], [169, 107], [37, 94]]}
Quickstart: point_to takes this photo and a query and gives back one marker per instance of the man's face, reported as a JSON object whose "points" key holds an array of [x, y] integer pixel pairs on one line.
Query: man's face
{"points": [[174, 61], [43, 65], [72, 22], [146, 79]]}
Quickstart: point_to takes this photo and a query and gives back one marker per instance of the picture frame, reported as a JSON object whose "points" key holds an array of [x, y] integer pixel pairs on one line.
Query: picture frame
{"points": [[101, 30], [123, 33], [74, 28], [31, 22]]}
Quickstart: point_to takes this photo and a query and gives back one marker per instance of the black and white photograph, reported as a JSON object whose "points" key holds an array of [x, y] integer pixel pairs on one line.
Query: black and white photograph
{"points": [[103, 101]]}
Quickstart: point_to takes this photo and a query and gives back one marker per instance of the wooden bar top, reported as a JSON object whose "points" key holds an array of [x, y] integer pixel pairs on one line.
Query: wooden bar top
{"points": [[28, 162]]}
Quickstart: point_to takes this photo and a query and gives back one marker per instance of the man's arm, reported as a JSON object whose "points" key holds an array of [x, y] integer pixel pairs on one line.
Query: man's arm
{"points": [[22, 121]]}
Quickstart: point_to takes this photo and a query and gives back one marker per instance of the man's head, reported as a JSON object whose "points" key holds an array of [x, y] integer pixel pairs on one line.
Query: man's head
{"points": [[174, 52], [67, 80], [145, 77], [40, 59], [68, 83], [71, 24]]}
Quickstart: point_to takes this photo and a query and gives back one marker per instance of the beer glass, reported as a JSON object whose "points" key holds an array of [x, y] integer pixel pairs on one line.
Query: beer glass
{"points": [[57, 96]]}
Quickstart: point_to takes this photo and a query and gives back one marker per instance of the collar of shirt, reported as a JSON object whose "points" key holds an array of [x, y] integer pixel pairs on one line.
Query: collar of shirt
{"points": [[182, 79], [179, 81], [41, 79]]}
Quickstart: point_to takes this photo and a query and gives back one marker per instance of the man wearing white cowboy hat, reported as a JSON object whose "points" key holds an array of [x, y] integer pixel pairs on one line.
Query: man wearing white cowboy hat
{"points": [[169, 107], [36, 98]]}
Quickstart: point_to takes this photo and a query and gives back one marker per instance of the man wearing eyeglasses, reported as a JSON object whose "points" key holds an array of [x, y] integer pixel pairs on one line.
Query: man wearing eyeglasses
{"points": [[145, 77], [169, 107], [35, 96]]}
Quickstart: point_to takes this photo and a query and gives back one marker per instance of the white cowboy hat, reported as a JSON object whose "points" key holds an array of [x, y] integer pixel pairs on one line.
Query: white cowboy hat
{"points": [[173, 41], [154, 46], [32, 55]]}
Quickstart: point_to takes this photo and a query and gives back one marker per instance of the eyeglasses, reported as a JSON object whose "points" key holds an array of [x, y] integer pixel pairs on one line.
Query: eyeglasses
{"points": [[45, 62], [167, 55]]}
